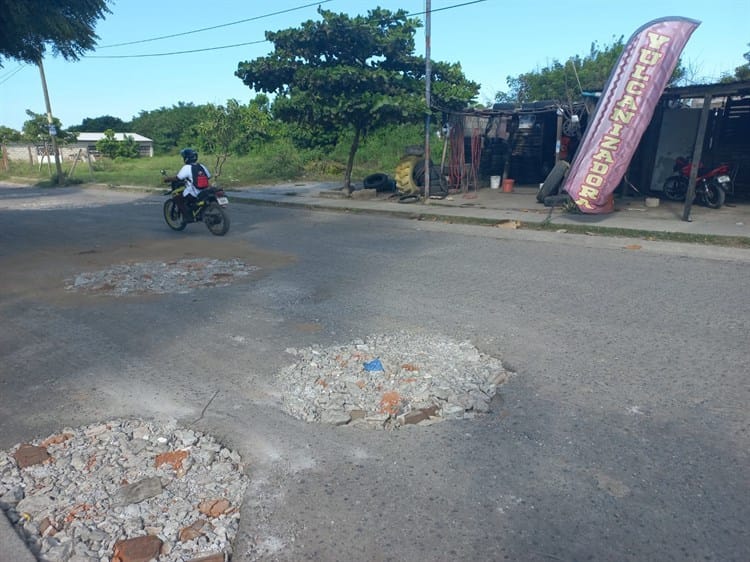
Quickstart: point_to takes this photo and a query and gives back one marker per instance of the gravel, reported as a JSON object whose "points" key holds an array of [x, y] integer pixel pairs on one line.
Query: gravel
{"points": [[92, 487]]}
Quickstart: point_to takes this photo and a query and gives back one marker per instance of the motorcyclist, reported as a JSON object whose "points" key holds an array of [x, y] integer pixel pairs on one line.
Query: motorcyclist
{"points": [[186, 201]]}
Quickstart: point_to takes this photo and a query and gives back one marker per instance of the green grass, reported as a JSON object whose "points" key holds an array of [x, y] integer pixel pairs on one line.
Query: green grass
{"points": [[276, 162]]}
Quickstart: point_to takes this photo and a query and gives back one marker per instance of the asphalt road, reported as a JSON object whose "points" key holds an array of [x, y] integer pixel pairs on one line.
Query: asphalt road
{"points": [[624, 435]]}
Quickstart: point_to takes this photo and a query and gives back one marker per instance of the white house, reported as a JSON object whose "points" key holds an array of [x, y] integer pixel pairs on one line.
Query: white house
{"points": [[89, 140]]}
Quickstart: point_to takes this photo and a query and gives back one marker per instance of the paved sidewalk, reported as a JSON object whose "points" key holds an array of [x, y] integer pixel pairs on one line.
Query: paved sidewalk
{"points": [[490, 205]]}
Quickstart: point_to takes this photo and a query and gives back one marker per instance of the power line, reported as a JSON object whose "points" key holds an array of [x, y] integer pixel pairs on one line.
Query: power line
{"points": [[173, 52], [212, 27], [240, 44], [12, 74]]}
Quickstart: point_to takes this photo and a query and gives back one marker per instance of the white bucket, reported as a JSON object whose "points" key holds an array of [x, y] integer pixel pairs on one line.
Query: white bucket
{"points": [[495, 182]]}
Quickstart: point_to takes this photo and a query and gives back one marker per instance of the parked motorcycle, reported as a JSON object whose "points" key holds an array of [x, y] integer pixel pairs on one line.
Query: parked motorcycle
{"points": [[210, 208], [711, 186]]}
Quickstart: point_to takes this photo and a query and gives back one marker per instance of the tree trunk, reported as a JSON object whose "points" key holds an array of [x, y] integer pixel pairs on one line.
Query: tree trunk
{"points": [[350, 163]]}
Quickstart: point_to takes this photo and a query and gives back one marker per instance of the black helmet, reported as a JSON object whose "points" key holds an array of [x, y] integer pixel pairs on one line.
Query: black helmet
{"points": [[189, 155]]}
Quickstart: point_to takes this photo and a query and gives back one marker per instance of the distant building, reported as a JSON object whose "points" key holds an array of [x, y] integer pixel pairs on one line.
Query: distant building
{"points": [[89, 140]]}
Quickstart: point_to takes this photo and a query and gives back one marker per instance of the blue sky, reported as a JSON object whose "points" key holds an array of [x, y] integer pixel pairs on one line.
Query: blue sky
{"points": [[491, 39]]}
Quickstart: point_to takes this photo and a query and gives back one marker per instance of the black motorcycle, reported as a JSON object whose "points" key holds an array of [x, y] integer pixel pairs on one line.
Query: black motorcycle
{"points": [[210, 208]]}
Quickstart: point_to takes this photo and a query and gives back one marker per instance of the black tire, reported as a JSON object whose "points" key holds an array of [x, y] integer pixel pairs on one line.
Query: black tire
{"points": [[173, 216], [714, 196], [378, 182], [675, 188], [216, 219], [553, 180]]}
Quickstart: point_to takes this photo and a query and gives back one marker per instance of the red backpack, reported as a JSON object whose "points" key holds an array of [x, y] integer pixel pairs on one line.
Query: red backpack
{"points": [[200, 179]]}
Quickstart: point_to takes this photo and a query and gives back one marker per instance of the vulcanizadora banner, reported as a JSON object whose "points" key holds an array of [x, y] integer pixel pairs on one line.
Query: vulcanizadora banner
{"points": [[624, 111]]}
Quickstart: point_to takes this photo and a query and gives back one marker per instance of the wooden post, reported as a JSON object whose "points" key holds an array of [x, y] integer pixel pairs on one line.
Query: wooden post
{"points": [[91, 166], [5, 158], [73, 167], [697, 155], [428, 101], [53, 132], [558, 135]]}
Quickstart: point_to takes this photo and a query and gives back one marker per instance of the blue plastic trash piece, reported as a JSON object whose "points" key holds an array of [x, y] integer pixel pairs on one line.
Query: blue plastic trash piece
{"points": [[374, 365]]}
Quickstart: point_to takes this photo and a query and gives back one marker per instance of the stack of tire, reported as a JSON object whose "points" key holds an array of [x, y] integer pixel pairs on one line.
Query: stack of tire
{"points": [[549, 192], [410, 178]]}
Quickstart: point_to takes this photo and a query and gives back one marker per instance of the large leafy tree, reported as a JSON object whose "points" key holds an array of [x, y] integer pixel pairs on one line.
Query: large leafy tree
{"points": [[170, 127], [565, 82], [100, 124], [346, 75], [28, 27]]}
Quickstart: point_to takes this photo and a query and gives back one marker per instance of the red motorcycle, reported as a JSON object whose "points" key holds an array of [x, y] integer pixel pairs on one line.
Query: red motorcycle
{"points": [[711, 186]]}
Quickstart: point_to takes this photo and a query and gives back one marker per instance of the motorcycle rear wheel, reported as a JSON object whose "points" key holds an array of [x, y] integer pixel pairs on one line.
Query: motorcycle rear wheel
{"points": [[714, 196], [173, 216], [675, 188], [216, 219]]}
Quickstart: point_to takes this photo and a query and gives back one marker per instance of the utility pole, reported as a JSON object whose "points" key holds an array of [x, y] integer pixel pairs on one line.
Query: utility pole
{"points": [[52, 130], [428, 93]]}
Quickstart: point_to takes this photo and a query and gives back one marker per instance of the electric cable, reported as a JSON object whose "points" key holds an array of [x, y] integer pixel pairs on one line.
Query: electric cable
{"points": [[214, 26], [12, 74], [453, 6]]}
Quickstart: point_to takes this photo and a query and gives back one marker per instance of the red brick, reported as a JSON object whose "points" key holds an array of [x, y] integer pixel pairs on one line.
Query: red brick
{"points": [[139, 549], [29, 455]]}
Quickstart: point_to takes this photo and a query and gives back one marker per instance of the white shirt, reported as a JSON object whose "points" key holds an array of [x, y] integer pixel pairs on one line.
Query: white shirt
{"points": [[186, 174]]}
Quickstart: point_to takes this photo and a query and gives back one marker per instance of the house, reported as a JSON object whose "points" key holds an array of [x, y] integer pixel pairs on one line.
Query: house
{"points": [[88, 141]]}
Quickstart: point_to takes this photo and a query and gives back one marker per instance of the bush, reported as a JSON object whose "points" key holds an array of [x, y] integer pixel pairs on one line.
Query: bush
{"points": [[279, 160]]}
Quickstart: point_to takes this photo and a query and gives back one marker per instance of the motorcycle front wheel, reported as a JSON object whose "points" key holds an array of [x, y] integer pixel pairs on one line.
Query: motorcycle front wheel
{"points": [[216, 219], [675, 188], [173, 216], [714, 196]]}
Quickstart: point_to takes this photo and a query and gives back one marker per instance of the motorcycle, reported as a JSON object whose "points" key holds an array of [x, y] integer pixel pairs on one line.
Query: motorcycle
{"points": [[210, 208], [711, 186]]}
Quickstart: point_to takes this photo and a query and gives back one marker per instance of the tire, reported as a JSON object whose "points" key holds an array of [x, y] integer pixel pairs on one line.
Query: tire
{"points": [[378, 182], [173, 216], [675, 188], [553, 180], [714, 196], [216, 219], [405, 182]]}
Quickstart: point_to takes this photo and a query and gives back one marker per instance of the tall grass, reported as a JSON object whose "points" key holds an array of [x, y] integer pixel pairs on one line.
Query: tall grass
{"points": [[275, 162]]}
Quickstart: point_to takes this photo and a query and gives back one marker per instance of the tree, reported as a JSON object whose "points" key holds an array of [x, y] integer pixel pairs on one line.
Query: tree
{"points": [[349, 75], [9, 135], [99, 124], [36, 129], [234, 128], [170, 127], [742, 72], [110, 146], [27, 27], [565, 82]]}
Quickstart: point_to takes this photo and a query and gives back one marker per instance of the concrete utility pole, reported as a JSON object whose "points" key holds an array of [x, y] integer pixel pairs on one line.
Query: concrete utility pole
{"points": [[52, 130], [427, 95]]}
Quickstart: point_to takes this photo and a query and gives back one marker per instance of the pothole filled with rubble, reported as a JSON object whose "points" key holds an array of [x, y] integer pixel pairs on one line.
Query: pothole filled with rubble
{"points": [[123, 490], [178, 276], [392, 380]]}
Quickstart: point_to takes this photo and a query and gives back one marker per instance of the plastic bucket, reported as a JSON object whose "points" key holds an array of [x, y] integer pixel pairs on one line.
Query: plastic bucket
{"points": [[508, 186], [495, 182]]}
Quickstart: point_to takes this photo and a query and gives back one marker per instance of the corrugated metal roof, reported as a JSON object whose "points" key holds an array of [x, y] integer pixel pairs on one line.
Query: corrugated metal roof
{"points": [[94, 137]]}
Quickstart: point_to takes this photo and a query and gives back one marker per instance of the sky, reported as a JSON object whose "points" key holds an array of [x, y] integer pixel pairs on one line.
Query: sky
{"points": [[491, 39]]}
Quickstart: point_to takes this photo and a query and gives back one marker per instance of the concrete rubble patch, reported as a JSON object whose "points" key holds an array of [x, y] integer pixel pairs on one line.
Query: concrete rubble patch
{"points": [[102, 494], [392, 380], [178, 276]]}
